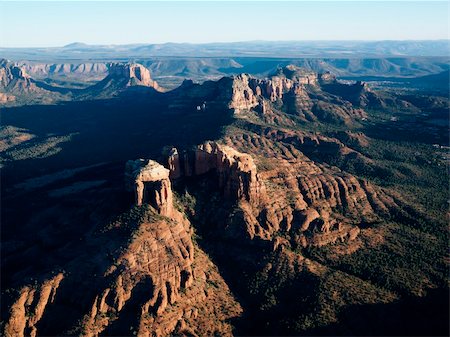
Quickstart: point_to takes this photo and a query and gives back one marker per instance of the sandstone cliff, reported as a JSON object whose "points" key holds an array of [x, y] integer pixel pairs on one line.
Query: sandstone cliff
{"points": [[152, 286], [235, 172], [42, 70], [305, 199], [150, 183], [130, 74], [121, 77], [14, 80], [17, 87], [312, 204], [30, 307], [299, 92]]}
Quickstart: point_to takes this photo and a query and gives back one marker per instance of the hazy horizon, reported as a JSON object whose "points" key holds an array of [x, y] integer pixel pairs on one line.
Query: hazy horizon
{"points": [[228, 42], [56, 24]]}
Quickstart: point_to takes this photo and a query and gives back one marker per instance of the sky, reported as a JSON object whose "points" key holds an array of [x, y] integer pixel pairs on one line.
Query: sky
{"points": [[57, 23]]}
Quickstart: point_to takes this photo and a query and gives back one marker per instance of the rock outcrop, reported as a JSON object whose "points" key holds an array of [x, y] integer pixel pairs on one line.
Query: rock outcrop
{"points": [[14, 80], [131, 74], [249, 92], [154, 268], [17, 87], [151, 287], [121, 78], [358, 93], [87, 69], [136, 73], [29, 308], [312, 204], [235, 172], [151, 184], [298, 92]]}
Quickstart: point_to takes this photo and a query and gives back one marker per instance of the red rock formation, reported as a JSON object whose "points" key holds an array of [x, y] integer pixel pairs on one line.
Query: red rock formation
{"points": [[150, 183], [14, 79], [293, 88], [236, 172], [159, 256], [249, 92], [311, 203], [30, 306], [136, 74], [173, 161], [40, 70], [155, 269]]}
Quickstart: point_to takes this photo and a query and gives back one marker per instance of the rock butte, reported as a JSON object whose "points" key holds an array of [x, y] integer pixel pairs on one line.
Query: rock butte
{"points": [[136, 74], [236, 172], [156, 265], [313, 219], [15, 81], [150, 183]]}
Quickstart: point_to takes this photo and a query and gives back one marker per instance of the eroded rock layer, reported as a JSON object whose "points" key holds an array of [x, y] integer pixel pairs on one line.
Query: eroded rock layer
{"points": [[313, 204], [150, 183], [133, 73], [152, 277], [14, 81], [311, 96]]}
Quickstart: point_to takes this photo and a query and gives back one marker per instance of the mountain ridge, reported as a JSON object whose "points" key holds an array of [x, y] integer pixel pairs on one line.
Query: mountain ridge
{"points": [[260, 48]]}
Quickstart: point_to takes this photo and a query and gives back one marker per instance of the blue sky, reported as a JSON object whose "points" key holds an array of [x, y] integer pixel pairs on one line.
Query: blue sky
{"points": [[46, 24]]}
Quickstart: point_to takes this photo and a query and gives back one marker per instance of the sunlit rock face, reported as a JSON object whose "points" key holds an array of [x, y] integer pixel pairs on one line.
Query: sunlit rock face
{"points": [[151, 184], [14, 79], [134, 73], [249, 92]]}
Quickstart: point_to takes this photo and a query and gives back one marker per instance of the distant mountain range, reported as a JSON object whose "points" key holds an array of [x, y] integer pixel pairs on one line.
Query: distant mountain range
{"points": [[291, 49]]}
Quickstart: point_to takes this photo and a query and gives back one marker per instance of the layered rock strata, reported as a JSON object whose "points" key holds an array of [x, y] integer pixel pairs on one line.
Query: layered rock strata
{"points": [[313, 205], [29, 308], [235, 172], [134, 73], [152, 277], [151, 184], [14, 80], [311, 96]]}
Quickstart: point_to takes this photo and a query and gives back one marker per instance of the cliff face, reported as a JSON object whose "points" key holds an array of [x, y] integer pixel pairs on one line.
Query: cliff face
{"points": [[153, 269], [311, 96], [152, 286], [17, 87], [150, 183], [39, 70], [249, 92], [312, 204], [14, 79], [30, 307], [235, 172], [121, 77], [132, 74], [358, 93]]}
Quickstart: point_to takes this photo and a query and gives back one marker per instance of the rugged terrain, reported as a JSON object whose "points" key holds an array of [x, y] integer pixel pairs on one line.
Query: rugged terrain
{"points": [[293, 204]]}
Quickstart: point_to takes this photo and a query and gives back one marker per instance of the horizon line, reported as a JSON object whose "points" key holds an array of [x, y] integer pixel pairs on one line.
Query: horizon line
{"points": [[224, 42]]}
